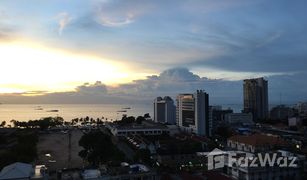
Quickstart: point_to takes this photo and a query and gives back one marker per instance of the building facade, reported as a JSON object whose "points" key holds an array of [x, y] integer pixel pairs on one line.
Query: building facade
{"points": [[239, 119], [302, 109], [164, 110], [193, 113], [267, 172], [254, 143], [255, 93], [282, 112], [217, 115], [148, 128]]}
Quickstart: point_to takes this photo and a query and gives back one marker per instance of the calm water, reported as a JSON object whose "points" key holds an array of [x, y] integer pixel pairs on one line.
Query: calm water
{"points": [[25, 112]]}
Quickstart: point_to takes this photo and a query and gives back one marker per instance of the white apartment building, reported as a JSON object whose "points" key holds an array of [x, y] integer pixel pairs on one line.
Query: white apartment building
{"points": [[192, 113], [164, 110]]}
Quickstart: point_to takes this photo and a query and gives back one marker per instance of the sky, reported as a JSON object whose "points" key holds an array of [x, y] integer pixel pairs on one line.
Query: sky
{"points": [[103, 51]]}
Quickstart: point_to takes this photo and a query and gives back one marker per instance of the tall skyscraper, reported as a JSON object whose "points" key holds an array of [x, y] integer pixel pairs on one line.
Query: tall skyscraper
{"points": [[164, 110], [256, 97], [193, 113]]}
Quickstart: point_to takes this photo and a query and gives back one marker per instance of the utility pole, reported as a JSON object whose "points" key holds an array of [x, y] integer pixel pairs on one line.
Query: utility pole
{"points": [[69, 148]]}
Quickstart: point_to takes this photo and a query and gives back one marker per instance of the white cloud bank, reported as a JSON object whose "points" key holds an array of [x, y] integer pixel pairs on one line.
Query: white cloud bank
{"points": [[170, 82]]}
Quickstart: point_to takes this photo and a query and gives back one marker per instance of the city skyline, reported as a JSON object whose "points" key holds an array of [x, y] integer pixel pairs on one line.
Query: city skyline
{"points": [[153, 89]]}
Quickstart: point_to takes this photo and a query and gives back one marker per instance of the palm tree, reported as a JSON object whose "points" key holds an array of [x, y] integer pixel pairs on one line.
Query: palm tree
{"points": [[2, 123]]}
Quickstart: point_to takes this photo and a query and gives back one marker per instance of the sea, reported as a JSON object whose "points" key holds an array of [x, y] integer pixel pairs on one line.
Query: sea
{"points": [[110, 112]]}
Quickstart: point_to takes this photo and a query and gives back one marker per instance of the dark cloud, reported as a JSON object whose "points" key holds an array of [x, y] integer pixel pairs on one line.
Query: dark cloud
{"points": [[279, 52], [263, 38], [92, 89]]}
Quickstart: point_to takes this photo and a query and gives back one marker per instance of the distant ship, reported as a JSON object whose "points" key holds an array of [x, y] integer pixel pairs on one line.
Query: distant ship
{"points": [[126, 108], [122, 111], [39, 108], [53, 110]]}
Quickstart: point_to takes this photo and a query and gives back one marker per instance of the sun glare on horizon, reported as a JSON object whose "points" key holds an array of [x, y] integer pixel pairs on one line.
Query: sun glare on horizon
{"points": [[30, 67]]}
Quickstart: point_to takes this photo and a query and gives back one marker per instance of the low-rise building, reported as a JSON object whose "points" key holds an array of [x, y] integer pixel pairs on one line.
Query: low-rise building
{"points": [[252, 168], [254, 143], [281, 112], [294, 121], [148, 128], [139, 142], [269, 165]]}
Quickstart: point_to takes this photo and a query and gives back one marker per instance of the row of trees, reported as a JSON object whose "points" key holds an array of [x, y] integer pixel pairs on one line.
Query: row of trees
{"points": [[131, 119], [43, 123], [87, 120], [47, 122]]}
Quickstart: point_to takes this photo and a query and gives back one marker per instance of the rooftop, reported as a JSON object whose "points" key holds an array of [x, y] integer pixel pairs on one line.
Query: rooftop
{"points": [[257, 139], [144, 125], [16, 170]]}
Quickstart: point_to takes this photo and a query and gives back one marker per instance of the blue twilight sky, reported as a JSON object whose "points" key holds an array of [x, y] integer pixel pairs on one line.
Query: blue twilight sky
{"points": [[223, 39]]}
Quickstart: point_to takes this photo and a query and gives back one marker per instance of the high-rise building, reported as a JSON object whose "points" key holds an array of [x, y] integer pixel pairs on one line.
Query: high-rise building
{"points": [[164, 110], [255, 92], [302, 109], [193, 113], [217, 115]]}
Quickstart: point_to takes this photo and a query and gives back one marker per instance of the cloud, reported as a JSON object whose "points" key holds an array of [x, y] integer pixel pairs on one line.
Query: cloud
{"points": [[170, 82], [250, 37], [7, 30], [92, 89], [63, 20], [180, 80], [3, 36], [7, 33], [275, 52], [237, 36], [118, 13], [269, 39]]}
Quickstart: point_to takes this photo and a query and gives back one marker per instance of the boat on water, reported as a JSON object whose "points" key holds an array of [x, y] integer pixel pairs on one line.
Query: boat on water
{"points": [[39, 108], [122, 111], [126, 108], [53, 110]]}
